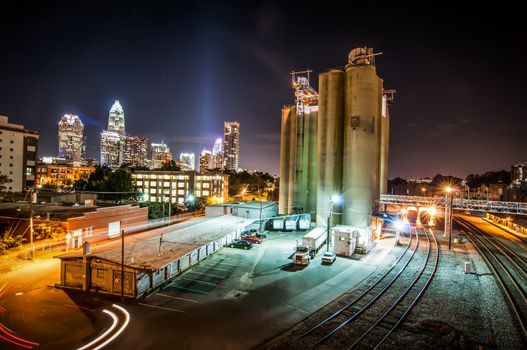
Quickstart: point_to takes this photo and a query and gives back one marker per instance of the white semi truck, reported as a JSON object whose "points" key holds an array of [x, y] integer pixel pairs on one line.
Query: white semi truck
{"points": [[311, 243]]}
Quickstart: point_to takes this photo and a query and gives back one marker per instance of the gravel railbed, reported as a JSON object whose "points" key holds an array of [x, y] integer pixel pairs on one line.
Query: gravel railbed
{"points": [[458, 311]]}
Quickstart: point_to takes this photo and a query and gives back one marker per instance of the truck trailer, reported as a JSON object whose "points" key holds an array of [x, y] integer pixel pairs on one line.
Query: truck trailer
{"points": [[311, 243]]}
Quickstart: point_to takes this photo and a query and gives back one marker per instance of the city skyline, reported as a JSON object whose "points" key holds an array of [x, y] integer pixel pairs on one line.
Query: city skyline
{"points": [[224, 70]]}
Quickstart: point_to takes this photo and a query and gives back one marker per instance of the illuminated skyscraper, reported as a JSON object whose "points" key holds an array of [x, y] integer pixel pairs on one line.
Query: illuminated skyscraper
{"points": [[231, 144], [134, 151], [189, 159], [111, 149], [71, 138], [160, 154], [205, 160], [116, 118], [218, 161]]}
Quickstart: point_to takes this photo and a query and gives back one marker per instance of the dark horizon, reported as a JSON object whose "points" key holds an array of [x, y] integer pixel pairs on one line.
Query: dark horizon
{"points": [[180, 71]]}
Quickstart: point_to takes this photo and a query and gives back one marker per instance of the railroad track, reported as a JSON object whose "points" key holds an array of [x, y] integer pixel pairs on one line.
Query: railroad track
{"points": [[370, 318], [509, 269]]}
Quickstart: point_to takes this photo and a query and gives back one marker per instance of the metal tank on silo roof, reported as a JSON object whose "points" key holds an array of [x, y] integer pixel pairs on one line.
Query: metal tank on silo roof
{"points": [[329, 141], [285, 161], [361, 138]]}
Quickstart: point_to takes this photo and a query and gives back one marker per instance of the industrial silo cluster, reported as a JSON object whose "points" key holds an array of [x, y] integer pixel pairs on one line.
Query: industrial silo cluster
{"points": [[339, 146]]}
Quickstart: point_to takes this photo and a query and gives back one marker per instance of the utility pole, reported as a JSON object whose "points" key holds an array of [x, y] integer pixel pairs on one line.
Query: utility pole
{"points": [[122, 265], [31, 223], [260, 199]]}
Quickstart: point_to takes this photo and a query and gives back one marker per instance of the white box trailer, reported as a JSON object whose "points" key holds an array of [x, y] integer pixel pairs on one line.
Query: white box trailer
{"points": [[304, 222], [315, 238], [278, 224], [291, 223]]}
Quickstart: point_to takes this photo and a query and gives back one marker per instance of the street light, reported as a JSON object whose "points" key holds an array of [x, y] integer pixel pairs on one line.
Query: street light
{"points": [[448, 214], [335, 200]]}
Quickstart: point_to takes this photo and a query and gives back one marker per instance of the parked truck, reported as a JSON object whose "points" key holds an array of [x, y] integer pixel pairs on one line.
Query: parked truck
{"points": [[311, 243]]}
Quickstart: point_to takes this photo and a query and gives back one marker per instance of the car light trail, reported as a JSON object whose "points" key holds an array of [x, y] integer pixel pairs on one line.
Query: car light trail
{"points": [[26, 343], [96, 340], [127, 320]]}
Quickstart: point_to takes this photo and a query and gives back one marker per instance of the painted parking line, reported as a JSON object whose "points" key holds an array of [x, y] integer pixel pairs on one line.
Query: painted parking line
{"points": [[206, 274], [163, 308], [224, 263], [178, 298], [215, 268], [192, 290], [193, 280]]}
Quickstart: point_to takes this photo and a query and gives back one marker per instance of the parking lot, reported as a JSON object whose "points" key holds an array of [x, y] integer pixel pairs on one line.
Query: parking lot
{"points": [[238, 298]]}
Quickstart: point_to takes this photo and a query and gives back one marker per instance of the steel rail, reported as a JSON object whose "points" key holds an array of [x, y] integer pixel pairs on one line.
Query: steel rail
{"points": [[499, 277], [353, 302], [418, 297], [371, 302]]}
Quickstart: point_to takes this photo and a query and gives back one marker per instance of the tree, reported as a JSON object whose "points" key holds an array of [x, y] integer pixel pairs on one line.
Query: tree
{"points": [[170, 165], [120, 181], [4, 180]]}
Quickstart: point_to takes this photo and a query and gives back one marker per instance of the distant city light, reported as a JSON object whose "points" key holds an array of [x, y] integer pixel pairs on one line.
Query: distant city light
{"points": [[336, 199]]}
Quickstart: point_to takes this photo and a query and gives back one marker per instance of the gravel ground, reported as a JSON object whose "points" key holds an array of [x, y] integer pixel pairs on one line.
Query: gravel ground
{"points": [[458, 311]]}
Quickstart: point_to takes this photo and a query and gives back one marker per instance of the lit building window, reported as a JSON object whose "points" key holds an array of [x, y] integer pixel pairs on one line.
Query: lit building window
{"points": [[180, 200], [153, 183], [198, 193], [181, 192], [206, 185], [139, 183], [181, 184], [205, 193]]}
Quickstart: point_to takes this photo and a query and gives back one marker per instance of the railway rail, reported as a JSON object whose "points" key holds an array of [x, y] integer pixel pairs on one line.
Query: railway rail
{"points": [[358, 324], [508, 268]]}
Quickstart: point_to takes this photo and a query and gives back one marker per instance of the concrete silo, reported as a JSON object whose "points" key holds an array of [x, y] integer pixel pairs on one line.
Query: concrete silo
{"points": [[361, 139], [329, 140], [285, 160], [298, 149]]}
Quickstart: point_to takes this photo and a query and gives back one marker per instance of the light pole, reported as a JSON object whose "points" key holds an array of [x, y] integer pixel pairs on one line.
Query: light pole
{"points": [[260, 199], [448, 214], [335, 200]]}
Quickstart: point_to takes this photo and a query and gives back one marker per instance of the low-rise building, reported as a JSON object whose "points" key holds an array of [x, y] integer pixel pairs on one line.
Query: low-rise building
{"points": [[18, 155], [247, 210], [178, 186], [61, 175], [148, 263]]}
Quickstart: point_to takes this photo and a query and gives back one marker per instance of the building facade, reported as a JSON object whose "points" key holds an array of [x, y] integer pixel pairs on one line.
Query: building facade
{"points": [[218, 160], [231, 145], [116, 118], [178, 186], [72, 144], [111, 149], [61, 175], [205, 160], [134, 151], [189, 159], [160, 154], [18, 155]]}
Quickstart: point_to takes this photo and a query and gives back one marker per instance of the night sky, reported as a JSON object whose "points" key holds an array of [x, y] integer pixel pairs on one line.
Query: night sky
{"points": [[181, 70]]}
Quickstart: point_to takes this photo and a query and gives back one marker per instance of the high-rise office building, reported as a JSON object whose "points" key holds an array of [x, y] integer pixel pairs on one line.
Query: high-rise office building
{"points": [[134, 151], [72, 144], [160, 154], [205, 160], [111, 149], [189, 159], [218, 160], [18, 155], [116, 118], [231, 145]]}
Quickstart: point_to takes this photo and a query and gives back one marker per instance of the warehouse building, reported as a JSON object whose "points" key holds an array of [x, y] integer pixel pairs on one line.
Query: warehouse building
{"points": [[150, 259]]}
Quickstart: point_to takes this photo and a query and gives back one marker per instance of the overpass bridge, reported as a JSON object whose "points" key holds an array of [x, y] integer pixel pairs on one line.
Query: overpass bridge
{"points": [[515, 208]]}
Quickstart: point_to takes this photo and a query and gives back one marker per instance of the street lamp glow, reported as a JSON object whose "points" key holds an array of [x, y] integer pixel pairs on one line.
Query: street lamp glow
{"points": [[336, 199], [448, 189], [190, 198], [399, 225]]}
